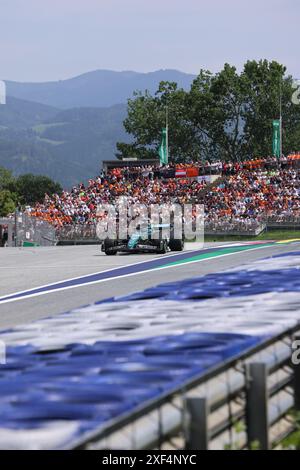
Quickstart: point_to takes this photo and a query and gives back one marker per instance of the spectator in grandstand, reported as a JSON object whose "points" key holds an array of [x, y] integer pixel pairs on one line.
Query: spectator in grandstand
{"points": [[248, 192]]}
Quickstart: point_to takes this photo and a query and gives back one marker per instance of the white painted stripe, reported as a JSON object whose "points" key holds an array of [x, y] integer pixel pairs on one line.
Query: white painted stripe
{"points": [[60, 289], [82, 276], [107, 270]]}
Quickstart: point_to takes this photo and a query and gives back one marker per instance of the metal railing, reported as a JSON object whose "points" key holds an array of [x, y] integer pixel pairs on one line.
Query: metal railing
{"points": [[77, 234], [87, 233], [232, 227], [283, 222], [243, 403]]}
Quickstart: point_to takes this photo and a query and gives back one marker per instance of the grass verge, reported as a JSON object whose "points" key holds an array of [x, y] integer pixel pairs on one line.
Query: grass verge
{"points": [[268, 235]]}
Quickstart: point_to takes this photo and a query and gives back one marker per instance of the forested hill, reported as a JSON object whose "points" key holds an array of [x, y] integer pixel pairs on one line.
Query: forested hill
{"points": [[66, 145], [65, 129]]}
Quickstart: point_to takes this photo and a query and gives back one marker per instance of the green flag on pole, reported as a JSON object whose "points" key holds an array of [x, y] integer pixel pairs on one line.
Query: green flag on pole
{"points": [[276, 138], [163, 148]]}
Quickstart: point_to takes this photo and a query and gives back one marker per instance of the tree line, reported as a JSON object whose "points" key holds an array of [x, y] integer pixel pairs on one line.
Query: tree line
{"points": [[227, 115], [23, 190]]}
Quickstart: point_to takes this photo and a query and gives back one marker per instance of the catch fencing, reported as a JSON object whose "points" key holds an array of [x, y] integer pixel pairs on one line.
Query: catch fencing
{"points": [[31, 230], [24, 229], [77, 234], [245, 403], [86, 234]]}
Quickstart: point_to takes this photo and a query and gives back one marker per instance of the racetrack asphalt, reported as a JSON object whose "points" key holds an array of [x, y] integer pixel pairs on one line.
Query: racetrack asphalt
{"points": [[29, 268]]}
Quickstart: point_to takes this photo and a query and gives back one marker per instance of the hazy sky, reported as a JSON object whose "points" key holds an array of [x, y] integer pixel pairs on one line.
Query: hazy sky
{"points": [[56, 39]]}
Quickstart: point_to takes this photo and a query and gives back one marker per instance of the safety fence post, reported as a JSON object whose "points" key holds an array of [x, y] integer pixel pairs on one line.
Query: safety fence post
{"points": [[197, 433], [296, 370], [257, 405]]}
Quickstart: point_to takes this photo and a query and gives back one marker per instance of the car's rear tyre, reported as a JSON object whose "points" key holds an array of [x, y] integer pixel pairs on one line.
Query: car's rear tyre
{"points": [[108, 245], [163, 247], [176, 245]]}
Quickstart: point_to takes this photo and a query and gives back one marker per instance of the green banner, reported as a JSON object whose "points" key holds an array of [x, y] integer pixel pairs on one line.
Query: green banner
{"points": [[163, 148], [276, 138]]}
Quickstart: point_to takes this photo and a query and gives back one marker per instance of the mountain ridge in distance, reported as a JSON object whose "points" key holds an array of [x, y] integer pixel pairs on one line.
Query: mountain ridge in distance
{"points": [[98, 88]]}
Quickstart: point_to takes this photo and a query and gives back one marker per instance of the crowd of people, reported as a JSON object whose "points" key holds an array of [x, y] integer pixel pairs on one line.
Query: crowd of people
{"points": [[244, 194], [195, 169], [254, 196], [79, 206]]}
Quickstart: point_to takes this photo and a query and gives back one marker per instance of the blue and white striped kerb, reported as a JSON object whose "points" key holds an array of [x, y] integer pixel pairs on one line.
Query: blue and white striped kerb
{"points": [[73, 372]]}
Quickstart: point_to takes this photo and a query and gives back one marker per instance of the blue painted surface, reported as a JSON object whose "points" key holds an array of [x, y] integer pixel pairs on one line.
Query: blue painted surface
{"points": [[229, 284], [92, 384]]}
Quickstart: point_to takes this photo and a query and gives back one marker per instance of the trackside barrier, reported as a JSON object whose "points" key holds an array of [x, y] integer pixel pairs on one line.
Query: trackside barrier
{"points": [[77, 234], [86, 234], [245, 403], [239, 229], [31, 231], [24, 230]]}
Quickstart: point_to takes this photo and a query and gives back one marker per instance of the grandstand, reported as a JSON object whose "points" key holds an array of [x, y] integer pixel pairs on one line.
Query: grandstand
{"points": [[239, 198]]}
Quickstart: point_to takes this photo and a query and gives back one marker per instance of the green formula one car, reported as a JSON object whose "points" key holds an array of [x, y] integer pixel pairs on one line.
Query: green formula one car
{"points": [[148, 240]]}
